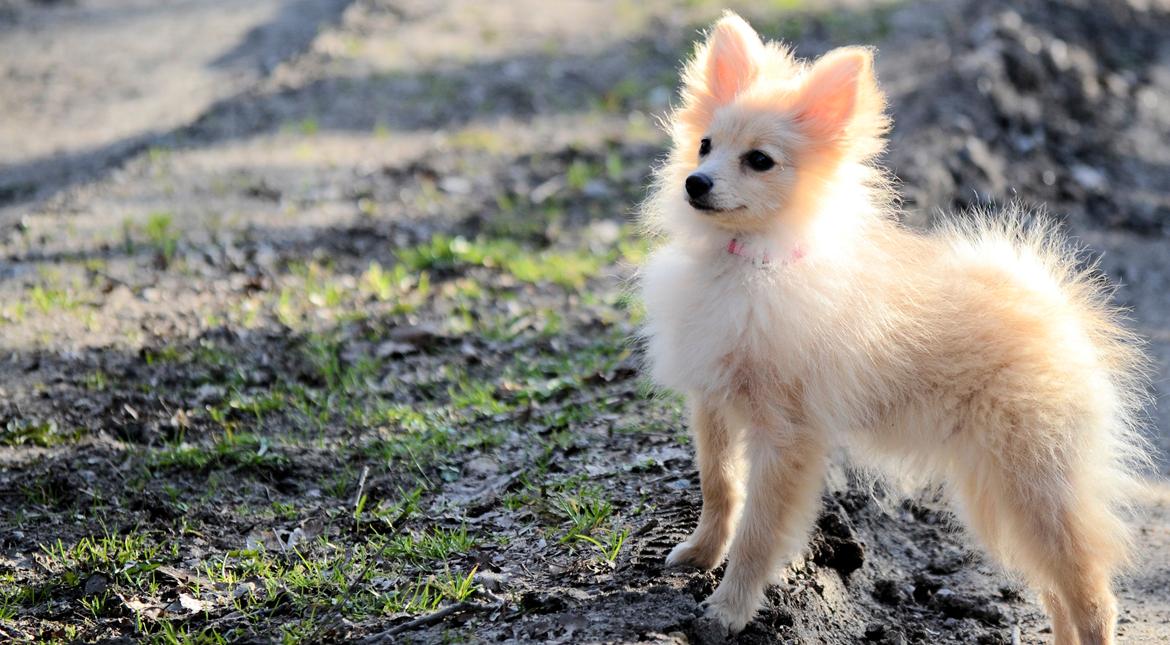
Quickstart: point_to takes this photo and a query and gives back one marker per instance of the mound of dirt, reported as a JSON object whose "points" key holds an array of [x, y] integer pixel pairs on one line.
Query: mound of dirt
{"points": [[1053, 102]]}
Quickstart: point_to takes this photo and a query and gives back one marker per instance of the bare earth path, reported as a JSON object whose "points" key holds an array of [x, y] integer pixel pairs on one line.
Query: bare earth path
{"points": [[312, 313]]}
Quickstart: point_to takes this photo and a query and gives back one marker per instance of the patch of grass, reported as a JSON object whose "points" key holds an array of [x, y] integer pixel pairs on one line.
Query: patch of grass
{"points": [[158, 154], [96, 381], [7, 613], [380, 283], [284, 511], [128, 558], [395, 513], [165, 354], [44, 492], [430, 435], [47, 299], [477, 397], [14, 312], [246, 451], [548, 376], [315, 575], [427, 594], [160, 233], [337, 483], [569, 269], [171, 633], [307, 126], [546, 322], [20, 432], [421, 444], [322, 290], [580, 173], [627, 94], [341, 389], [258, 404], [357, 580], [478, 139], [585, 511], [322, 287], [436, 544], [97, 605], [610, 544], [419, 597], [285, 311], [614, 166]]}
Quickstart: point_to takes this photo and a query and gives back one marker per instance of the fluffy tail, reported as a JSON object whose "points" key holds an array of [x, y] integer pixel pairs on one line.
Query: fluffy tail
{"points": [[1115, 453]]}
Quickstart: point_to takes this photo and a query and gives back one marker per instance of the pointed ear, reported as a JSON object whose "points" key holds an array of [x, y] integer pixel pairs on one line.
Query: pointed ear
{"points": [[729, 61], [839, 89]]}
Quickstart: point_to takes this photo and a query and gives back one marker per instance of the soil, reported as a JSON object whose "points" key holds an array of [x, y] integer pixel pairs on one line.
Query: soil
{"points": [[312, 310]]}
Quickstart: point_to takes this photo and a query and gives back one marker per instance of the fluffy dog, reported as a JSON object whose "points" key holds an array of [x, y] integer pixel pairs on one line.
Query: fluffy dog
{"points": [[797, 315]]}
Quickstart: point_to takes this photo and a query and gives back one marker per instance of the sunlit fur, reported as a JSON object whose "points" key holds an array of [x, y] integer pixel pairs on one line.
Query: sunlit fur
{"points": [[978, 356]]}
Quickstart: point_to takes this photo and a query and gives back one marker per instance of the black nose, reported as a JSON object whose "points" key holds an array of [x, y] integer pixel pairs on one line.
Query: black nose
{"points": [[698, 185]]}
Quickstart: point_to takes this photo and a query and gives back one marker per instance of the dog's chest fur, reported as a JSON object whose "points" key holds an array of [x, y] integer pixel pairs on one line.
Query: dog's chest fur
{"points": [[723, 326]]}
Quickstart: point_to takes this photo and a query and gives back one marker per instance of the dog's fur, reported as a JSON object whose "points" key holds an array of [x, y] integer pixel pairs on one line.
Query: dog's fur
{"points": [[978, 356]]}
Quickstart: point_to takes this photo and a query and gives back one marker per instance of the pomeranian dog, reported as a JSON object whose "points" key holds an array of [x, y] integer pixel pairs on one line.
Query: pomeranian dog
{"points": [[795, 313]]}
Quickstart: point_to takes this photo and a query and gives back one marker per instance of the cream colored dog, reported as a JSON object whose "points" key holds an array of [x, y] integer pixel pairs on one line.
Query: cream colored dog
{"points": [[797, 315]]}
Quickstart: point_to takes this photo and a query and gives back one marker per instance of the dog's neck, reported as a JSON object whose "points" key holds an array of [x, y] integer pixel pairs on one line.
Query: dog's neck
{"points": [[764, 252], [777, 246]]}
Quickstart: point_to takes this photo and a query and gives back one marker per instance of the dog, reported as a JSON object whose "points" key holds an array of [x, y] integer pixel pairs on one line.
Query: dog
{"points": [[797, 316]]}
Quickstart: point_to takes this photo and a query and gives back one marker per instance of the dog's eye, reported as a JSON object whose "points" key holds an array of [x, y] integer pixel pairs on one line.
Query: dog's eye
{"points": [[758, 160], [704, 147]]}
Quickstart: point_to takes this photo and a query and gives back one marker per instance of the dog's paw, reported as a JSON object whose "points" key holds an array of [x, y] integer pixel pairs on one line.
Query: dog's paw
{"points": [[733, 610], [686, 554]]}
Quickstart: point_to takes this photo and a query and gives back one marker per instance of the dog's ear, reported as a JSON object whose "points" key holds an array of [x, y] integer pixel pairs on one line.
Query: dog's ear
{"points": [[840, 91], [728, 62]]}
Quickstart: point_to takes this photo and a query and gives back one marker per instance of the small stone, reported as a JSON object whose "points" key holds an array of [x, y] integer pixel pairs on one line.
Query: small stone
{"points": [[209, 393], [455, 185], [186, 604], [886, 591], [96, 584], [546, 190], [266, 257], [491, 580], [244, 589], [606, 231], [597, 189], [420, 336], [875, 632], [392, 348], [481, 466], [1089, 178]]}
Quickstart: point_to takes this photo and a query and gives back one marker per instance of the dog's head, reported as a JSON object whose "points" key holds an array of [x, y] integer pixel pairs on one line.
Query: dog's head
{"points": [[759, 134]]}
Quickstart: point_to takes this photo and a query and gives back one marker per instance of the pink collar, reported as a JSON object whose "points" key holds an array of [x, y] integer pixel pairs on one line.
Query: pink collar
{"points": [[763, 259]]}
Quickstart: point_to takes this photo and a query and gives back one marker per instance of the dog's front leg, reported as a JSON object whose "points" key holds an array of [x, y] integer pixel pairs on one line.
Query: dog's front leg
{"points": [[786, 472], [720, 477]]}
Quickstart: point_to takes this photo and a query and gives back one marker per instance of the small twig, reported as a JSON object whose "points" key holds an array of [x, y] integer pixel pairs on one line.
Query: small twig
{"points": [[361, 489], [429, 619], [15, 632], [358, 579]]}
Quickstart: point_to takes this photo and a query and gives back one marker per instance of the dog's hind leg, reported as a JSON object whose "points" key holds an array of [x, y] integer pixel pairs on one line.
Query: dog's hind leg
{"points": [[720, 478], [1042, 515], [1063, 629]]}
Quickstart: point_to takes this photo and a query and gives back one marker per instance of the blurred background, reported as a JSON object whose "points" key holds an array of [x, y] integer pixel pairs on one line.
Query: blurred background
{"points": [[314, 313]]}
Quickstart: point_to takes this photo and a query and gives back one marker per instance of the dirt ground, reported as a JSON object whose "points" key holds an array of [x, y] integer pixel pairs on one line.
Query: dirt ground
{"points": [[315, 320]]}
